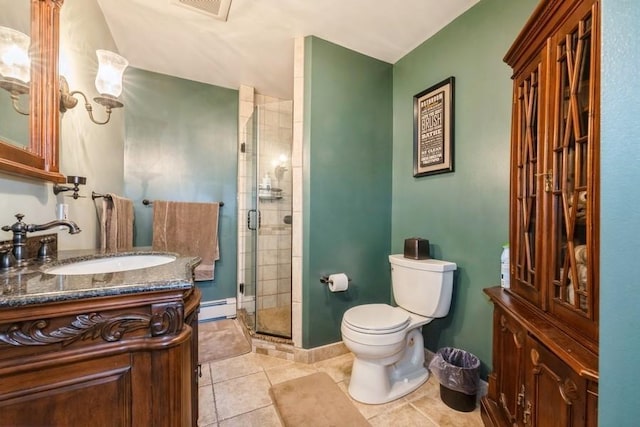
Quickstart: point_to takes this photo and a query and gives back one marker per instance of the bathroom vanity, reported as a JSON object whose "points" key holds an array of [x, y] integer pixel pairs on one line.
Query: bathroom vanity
{"points": [[105, 349]]}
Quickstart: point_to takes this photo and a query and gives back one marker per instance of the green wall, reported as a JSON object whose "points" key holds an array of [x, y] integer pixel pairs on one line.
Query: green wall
{"points": [[620, 225], [347, 184], [181, 144], [464, 214]]}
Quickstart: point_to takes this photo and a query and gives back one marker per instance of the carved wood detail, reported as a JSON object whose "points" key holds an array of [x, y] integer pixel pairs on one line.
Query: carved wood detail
{"points": [[569, 391], [165, 319]]}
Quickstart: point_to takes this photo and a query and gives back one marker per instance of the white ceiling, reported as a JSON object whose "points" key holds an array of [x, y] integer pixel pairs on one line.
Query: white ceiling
{"points": [[254, 46]]}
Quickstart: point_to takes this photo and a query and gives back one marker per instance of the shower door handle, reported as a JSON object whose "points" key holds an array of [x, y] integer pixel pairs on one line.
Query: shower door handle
{"points": [[251, 222]]}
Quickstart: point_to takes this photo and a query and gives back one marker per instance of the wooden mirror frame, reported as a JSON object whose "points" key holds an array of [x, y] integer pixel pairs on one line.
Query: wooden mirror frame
{"points": [[41, 159]]}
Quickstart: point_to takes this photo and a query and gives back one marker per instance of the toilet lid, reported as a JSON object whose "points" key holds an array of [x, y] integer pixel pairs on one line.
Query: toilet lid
{"points": [[376, 318]]}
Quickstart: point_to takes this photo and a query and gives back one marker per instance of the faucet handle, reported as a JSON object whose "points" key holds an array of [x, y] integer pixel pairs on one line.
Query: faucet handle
{"points": [[44, 253], [17, 226]]}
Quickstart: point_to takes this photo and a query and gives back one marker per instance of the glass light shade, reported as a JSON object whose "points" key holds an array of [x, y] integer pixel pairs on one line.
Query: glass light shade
{"points": [[14, 55], [111, 67]]}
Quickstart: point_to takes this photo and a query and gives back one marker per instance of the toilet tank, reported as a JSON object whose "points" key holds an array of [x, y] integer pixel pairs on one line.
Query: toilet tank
{"points": [[422, 286]]}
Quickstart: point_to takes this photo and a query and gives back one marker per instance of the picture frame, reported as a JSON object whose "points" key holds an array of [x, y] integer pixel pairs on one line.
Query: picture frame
{"points": [[433, 126]]}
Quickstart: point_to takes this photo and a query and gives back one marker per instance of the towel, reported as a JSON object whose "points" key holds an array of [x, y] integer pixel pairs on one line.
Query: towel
{"points": [[189, 229], [116, 224]]}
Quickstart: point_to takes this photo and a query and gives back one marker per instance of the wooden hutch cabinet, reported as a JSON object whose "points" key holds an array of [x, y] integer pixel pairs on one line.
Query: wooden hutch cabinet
{"points": [[545, 330]]}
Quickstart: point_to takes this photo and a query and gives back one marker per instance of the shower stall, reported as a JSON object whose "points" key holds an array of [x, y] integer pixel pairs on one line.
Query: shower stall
{"points": [[265, 217]]}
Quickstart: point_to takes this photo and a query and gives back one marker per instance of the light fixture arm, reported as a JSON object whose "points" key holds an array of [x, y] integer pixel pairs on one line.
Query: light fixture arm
{"points": [[15, 101], [16, 88], [68, 101]]}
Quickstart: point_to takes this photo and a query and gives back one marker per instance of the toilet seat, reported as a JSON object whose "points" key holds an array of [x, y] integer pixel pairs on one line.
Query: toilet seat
{"points": [[376, 319]]}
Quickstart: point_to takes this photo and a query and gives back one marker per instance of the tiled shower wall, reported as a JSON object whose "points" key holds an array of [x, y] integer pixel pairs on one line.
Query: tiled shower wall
{"points": [[274, 258]]}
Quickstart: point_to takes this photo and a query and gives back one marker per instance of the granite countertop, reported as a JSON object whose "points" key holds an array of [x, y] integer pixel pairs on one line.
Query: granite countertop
{"points": [[29, 285]]}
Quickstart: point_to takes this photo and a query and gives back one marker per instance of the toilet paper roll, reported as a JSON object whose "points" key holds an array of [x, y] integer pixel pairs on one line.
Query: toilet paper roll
{"points": [[338, 282]]}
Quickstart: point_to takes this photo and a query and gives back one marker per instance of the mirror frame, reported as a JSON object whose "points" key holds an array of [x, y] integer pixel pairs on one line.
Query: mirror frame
{"points": [[41, 159]]}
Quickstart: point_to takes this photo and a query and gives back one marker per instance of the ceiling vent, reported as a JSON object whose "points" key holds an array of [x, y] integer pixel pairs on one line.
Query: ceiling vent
{"points": [[219, 9]]}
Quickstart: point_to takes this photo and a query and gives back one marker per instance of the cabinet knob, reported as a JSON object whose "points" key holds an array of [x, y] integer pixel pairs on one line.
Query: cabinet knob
{"points": [[548, 175]]}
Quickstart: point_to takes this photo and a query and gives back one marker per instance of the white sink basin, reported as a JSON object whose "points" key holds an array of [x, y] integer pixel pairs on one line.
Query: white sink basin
{"points": [[111, 264]]}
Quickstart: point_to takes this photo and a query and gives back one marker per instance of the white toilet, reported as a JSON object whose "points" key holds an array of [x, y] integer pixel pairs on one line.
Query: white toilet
{"points": [[387, 341]]}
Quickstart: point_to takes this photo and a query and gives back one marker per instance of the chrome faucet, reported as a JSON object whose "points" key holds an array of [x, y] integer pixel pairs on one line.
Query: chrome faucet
{"points": [[20, 230]]}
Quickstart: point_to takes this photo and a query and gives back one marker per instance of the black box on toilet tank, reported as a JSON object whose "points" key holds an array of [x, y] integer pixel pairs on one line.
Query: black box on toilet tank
{"points": [[416, 248]]}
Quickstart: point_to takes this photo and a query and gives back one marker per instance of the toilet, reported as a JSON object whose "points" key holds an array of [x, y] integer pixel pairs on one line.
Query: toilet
{"points": [[387, 341]]}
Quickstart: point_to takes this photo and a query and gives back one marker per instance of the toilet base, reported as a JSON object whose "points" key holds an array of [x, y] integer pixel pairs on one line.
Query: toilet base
{"points": [[376, 383], [380, 388]]}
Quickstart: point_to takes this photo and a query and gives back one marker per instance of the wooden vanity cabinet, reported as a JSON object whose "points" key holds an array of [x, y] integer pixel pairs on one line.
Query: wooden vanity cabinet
{"points": [[111, 361], [545, 332]]}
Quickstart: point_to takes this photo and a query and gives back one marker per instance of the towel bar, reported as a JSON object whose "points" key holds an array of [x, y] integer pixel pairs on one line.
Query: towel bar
{"points": [[95, 195], [148, 202]]}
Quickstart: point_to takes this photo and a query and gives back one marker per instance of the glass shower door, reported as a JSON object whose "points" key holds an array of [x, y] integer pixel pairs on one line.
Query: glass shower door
{"points": [[265, 206], [249, 230]]}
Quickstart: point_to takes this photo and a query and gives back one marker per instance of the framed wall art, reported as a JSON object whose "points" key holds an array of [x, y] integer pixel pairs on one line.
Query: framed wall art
{"points": [[433, 120]]}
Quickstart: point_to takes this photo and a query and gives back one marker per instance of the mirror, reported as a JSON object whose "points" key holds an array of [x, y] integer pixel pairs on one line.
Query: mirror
{"points": [[39, 157], [14, 125]]}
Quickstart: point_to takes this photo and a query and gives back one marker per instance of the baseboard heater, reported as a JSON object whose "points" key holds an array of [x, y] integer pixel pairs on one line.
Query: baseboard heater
{"points": [[218, 309]]}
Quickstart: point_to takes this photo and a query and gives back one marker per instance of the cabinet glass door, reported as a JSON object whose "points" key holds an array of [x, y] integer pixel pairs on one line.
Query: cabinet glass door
{"points": [[573, 268], [527, 167]]}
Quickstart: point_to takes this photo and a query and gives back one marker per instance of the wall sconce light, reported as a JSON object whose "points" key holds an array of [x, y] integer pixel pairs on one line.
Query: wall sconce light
{"points": [[15, 65], [76, 181], [280, 166], [111, 67]]}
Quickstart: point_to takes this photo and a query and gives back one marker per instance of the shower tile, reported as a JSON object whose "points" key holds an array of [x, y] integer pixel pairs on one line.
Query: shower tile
{"points": [[241, 395], [284, 299], [284, 273], [296, 147], [296, 279], [246, 93], [269, 272], [269, 301], [298, 57], [284, 286], [296, 322], [268, 242], [298, 98], [296, 234], [286, 106], [284, 255], [268, 287], [284, 241], [271, 104]]}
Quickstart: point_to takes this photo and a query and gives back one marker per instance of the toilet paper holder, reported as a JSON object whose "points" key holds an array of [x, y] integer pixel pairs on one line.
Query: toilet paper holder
{"points": [[325, 279]]}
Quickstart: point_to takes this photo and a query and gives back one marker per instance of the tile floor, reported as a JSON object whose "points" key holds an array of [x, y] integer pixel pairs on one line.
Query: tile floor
{"points": [[235, 392]]}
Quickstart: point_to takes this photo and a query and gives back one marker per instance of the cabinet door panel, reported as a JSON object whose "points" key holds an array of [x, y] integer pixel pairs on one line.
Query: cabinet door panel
{"points": [[556, 395], [573, 269], [510, 341], [527, 144], [96, 393]]}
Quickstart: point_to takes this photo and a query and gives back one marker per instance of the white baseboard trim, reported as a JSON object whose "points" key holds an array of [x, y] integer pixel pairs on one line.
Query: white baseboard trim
{"points": [[218, 309]]}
